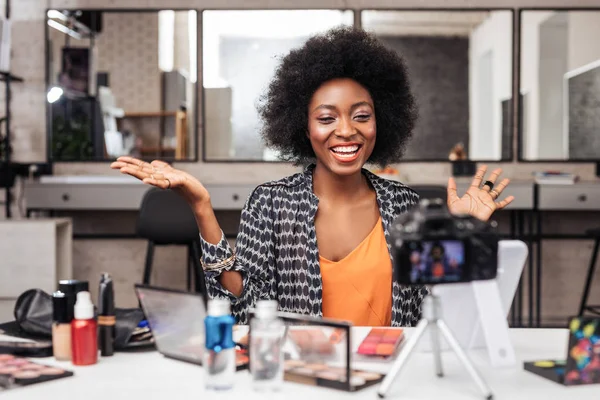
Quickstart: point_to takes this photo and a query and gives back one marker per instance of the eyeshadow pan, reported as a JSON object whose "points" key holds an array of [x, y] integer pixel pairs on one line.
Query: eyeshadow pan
{"points": [[330, 375], [8, 370], [6, 357], [385, 349], [17, 362], [294, 363], [369, 376], [51, 371], [303, 371], [32, 367], [25, 377], [367, 348], [317, 367]]}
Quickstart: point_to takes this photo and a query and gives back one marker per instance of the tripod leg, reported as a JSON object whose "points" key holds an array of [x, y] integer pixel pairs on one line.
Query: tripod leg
{"points": [[464, 359], [405, 353], [437, 352]]}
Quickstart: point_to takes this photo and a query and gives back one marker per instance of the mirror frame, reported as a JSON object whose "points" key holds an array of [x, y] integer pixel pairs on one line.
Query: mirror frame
{"points": [[520, 137], [358, 23], [195, 132]]}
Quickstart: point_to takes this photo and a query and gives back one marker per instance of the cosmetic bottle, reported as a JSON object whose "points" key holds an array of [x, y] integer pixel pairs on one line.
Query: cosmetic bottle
{"points": [[219, 356], [61, 327], [70, 287], [266, 341], [84, 336], [106, 316]]}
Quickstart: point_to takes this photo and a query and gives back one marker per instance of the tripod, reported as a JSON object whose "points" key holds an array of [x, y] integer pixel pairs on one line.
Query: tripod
{"points": [[432, 319]]}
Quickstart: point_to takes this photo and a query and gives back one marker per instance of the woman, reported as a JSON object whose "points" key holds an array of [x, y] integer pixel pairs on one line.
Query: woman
{"points": [[318, 241]]}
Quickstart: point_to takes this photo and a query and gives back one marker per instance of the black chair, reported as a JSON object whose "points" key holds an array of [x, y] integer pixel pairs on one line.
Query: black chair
{"points": [[595, 233], [431, 192], [166, 219]]}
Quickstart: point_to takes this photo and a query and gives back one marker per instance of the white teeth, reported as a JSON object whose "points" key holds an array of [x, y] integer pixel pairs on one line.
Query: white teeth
{"points": [[342, 155], [345, 149]]}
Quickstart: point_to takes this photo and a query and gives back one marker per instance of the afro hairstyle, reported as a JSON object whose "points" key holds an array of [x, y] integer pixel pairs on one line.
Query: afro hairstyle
{"points": [[342, 52]]}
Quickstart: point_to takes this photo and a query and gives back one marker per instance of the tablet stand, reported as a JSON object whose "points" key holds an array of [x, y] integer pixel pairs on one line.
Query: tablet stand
{"points": [[491, 330], [432, 319]]}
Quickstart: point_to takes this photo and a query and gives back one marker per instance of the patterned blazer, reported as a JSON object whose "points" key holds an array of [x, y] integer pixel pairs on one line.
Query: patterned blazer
{"points": [[277, 254]]}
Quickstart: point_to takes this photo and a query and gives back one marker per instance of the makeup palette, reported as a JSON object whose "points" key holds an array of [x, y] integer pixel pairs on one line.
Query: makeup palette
{"points": [[17, 372], [317, 352], [381, 344], [582, 363], [323, 375]]}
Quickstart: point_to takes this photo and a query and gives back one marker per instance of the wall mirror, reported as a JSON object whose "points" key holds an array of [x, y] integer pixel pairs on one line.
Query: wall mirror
{"points": [[240, 51], [460, 66], [559, 85], [121, 83]]}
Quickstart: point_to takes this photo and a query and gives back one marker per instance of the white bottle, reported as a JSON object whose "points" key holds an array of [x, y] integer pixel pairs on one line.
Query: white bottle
{"points": [[266, 341]]}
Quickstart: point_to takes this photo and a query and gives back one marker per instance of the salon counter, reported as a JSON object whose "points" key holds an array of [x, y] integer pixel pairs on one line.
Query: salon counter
{"points": [[149, 375], [108, 193], [120, 193]]}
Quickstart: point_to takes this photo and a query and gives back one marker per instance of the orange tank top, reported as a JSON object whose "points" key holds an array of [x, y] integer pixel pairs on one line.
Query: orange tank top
{"points": [[358, 288]]}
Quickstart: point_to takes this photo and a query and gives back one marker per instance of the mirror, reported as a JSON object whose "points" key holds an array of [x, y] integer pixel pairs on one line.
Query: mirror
{"points": [[560, 85], [241, 50], [121, 83], [460, 66]]}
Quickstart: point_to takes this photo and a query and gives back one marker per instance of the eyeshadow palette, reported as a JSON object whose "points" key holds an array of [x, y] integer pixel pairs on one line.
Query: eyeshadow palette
{"points": [[319, 374], [582, 363], [317, 352], [380, 344], [16, 372]]}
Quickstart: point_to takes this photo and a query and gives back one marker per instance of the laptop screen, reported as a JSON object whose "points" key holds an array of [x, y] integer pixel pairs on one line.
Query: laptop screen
{"points": [[176, 320]]}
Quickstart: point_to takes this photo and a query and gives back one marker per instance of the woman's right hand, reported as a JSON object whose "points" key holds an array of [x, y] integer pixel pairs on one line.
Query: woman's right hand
{"points": [[160, 174]]}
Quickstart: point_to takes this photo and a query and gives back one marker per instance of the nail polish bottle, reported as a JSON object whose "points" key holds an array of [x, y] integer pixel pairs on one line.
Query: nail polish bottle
{"points": [[84, 331], [61, 327]]}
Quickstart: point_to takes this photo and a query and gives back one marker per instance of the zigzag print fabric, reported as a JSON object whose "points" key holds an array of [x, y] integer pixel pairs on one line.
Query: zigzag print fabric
{"points": [[277, 254]]}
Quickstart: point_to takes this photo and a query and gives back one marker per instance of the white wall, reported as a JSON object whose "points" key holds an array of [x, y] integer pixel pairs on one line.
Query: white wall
{"points": [[584, 38], [530, 55], [553, 64], [493, 35]]}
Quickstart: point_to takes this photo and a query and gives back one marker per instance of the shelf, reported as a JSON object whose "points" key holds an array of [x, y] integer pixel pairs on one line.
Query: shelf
{"points": [[150, 114], [5, 76]]}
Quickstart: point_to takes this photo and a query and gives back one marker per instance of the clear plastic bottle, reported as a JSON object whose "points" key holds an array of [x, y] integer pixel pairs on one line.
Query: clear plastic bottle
{"points": [[266, 341], [219, 356]]}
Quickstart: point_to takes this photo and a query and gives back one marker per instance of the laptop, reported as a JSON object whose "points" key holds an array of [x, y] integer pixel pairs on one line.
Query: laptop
{"points": [[176, 319]]}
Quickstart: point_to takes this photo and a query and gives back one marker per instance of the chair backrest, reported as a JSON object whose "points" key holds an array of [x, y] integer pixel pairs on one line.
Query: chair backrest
{"points": [[166, 218], [431, 192]]}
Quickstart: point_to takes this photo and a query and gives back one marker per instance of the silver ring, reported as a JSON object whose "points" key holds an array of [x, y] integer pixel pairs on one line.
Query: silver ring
{"points": [[494, 192]]}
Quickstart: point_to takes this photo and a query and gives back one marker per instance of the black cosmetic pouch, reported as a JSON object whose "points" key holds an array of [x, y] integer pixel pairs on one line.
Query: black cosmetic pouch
{"points": [[33, 320]]}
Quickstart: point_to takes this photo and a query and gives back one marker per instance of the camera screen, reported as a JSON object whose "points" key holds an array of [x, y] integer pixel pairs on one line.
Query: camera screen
{"points": [[436, 261]]}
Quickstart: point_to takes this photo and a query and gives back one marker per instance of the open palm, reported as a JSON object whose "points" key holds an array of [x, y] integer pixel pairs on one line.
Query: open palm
{"points": [[160, 174], [478, 201]]}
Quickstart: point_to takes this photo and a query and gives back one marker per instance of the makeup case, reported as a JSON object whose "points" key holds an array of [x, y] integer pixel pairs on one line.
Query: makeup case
{"points": [[33, 321]]}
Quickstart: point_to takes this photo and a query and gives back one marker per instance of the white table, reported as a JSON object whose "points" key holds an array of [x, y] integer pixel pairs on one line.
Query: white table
{"points": [[149, 375]]}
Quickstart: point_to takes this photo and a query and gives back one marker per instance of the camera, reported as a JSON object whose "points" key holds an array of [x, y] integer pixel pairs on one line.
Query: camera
{"points": [[432, 246]]}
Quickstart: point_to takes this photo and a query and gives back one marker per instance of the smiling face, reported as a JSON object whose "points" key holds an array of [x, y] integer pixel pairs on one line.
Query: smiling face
{"points": [[341, 126]]}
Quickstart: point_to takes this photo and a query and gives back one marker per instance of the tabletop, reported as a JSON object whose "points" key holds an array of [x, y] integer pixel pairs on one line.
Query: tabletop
{"points": [[149, 375]]}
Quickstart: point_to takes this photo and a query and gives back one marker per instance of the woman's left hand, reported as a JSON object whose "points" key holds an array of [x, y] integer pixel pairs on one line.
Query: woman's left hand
{"points": [[479, 201]]}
